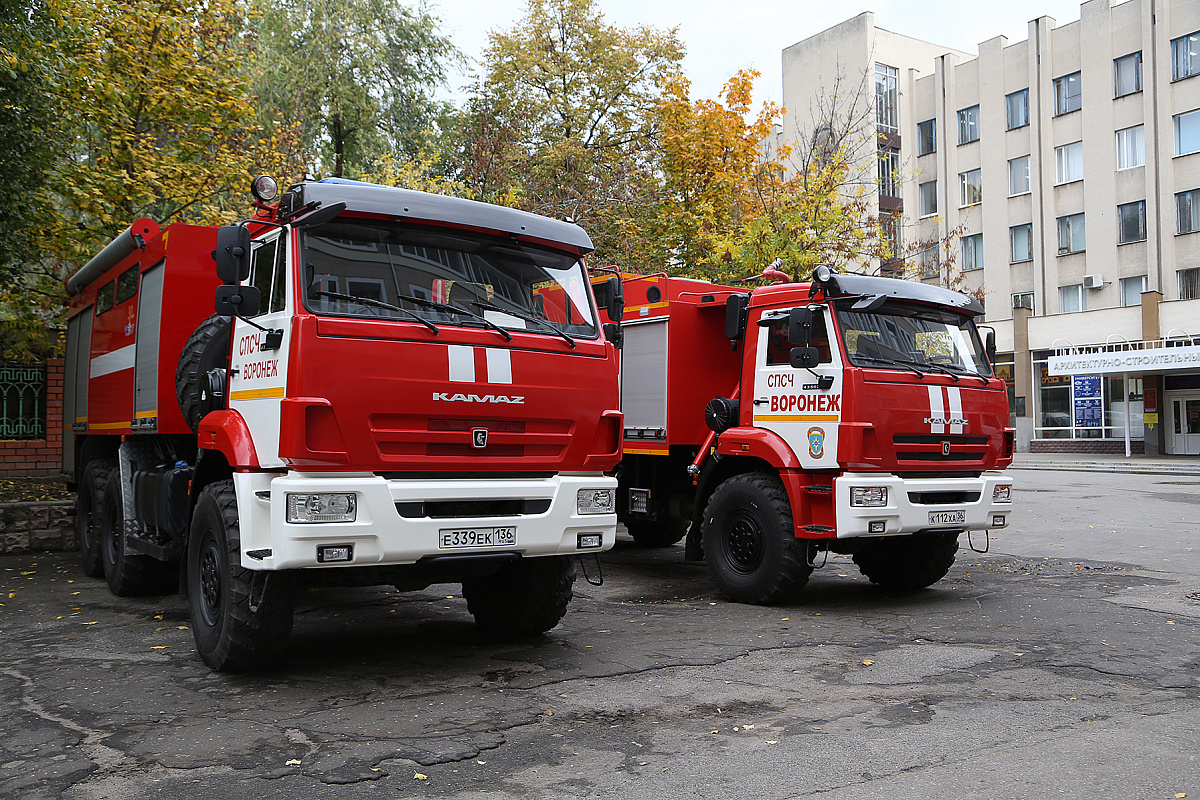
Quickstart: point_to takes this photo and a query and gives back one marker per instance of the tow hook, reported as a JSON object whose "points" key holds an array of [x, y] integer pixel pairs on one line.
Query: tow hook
{"points": [[599, 579]]}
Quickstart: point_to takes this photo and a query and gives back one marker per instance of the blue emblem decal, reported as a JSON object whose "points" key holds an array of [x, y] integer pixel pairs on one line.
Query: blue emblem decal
{"points": [[816, 442]]}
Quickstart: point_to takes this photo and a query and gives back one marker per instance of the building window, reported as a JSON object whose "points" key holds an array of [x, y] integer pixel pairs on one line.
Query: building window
{"points": [[22, 400], [927, 137], [928, 193], [1131, 222], [1068, 162], [893, 235], [885, 98], [1131, 147], [1023, 300], [1131, 290], [1189, 283], [1072, 298], [1016, 106], [1067, 93], [1187, 133], [889, 172], [930, 263], [1127, 74], [971, 186], [1021, 237], [968, 125], [1018, 176], [972, 252], [1188, 206], [1070, 234], [1185, 56]]}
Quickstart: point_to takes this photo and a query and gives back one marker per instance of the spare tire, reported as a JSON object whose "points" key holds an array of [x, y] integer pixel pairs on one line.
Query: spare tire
{"points": [[207, 348]]}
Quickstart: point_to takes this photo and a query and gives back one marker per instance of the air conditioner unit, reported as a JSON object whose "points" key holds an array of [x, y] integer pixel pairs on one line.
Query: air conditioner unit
{"points": [[1093, 281]]}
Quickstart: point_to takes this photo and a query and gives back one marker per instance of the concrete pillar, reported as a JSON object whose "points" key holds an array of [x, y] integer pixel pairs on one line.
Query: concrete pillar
{"points": [[1155, 433], [1023, 377]]}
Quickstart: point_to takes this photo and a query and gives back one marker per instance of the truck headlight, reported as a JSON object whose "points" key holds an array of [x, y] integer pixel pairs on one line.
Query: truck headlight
{"points": [[1002, 494], [332, 507], [868, 496], [596, 501]]}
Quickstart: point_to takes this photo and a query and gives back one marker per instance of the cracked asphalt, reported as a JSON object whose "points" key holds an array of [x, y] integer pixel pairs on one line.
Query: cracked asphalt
{"points": [[1063, 663]]}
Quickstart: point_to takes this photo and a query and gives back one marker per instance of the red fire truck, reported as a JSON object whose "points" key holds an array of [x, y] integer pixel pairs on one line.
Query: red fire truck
{"points": [[852, 414], [396, 388]]}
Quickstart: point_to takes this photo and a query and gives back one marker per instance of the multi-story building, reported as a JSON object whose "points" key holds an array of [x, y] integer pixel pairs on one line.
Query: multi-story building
{"points": [[1065, 171]]}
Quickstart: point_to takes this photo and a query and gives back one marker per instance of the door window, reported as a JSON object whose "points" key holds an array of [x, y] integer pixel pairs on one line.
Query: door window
{"points": [[779, 346]]}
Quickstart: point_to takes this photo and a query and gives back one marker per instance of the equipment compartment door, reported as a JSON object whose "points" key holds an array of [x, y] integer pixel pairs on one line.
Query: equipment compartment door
{"points": [[258, 376], [790, 401]]}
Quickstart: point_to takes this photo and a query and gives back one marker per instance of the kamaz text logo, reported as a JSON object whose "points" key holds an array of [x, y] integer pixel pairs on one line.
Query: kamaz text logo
{"points": [[446, 397], [945, 410]]}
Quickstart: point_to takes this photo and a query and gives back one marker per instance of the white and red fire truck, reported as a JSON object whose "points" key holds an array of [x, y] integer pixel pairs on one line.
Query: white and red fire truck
{"points": [[852, 414], [396, 388]]}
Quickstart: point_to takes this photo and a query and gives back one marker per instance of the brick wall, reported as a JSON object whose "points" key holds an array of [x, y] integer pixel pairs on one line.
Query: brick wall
{"points": [[38, 458]]}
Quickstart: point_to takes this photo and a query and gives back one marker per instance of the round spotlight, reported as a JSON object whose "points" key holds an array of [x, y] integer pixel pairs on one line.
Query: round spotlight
{"points": [[822, 274], [264, 188]]}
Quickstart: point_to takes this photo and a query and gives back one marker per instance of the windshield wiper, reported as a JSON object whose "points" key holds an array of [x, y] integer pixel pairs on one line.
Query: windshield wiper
{"points": [[895, 362], [370, 301], [547, 324], [965, 371], [456, 310]]}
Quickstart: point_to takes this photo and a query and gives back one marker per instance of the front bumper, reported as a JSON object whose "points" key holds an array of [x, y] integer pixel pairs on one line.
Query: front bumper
{"points": [[912, 501], [380, 536]]}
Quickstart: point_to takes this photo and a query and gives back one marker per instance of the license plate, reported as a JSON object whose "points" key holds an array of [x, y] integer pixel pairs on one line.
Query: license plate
{"points": [[476, 537], [947, 517]]}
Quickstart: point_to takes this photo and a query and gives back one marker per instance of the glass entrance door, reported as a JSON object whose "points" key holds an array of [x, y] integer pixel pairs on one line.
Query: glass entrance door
{"points": [[1185, 424]]}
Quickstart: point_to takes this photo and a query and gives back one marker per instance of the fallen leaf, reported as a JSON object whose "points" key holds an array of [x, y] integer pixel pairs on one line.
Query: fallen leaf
{"points": [[772, 741], [480, 762], [867, 662], [292, 762], [419, 777], [159, 647], [549, 713]]}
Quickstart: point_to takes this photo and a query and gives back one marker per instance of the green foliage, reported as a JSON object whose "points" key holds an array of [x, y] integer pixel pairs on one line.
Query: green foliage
{"points": [[355, 76]]}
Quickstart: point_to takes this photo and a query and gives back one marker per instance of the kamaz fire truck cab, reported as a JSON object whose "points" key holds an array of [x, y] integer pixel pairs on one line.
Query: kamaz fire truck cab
{"points": [[851, 414], [397, 388]]}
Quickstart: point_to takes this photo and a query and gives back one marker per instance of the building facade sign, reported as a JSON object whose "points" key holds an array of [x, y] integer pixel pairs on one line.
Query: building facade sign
{"points": [[1157, 360]]}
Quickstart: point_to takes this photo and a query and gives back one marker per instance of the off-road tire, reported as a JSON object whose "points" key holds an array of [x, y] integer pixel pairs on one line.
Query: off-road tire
{"points": [[524, 598], [128, 575], [205, 349], [89, 499], [750, 545], [908, 563], [662, 533], [241, 619]]}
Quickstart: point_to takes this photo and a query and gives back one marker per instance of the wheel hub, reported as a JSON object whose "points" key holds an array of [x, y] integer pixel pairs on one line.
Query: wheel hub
{"points": [[210, 583], [745, 541]]}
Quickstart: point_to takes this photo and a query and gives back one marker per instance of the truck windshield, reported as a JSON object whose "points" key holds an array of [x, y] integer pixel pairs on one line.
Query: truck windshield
{"points": [[367, 268], [914, 338]]}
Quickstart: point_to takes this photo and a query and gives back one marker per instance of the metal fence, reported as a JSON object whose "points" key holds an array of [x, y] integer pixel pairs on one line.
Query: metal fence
{"points": [[22, 401]]}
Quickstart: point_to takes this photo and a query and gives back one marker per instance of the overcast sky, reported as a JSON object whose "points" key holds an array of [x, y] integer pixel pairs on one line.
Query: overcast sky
{"points": [[723, 36]]}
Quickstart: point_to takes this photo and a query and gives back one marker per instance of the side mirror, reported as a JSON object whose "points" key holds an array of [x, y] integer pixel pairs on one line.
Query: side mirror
{"points": [[989, 345], [232, 255], [615, 334], [616, 298], [736, 316], [238, 301], [319, 216], [804, 357], [800, 323]]}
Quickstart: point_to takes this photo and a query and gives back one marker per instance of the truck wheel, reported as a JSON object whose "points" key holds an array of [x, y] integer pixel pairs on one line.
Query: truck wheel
{"points": [[128, 575], [241, 619], [524, 598], [663, 533], [751, 549], [89, 499], [907, 563], [205, 349]]}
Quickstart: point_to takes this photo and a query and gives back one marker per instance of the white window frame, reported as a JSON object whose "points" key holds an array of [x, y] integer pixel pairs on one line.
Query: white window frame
{"points": [[972, 252], [1187, 211], [1021, 97], [968, 124], [1068, 159], [970, 191], [1191, 119], [1185, 56], [1189, 283], [1138, 281], [1136, 60], [1012, 243], [887, 112], [1018, 300], [1074, 292], [1131, 147], [1065, 100], [1141, 216], [927, 197], [1017, 170], [929, 125]]}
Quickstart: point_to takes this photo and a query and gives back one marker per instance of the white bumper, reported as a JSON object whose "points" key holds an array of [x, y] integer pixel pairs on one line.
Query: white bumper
{"points": [[379, 535], [913, 504]]}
